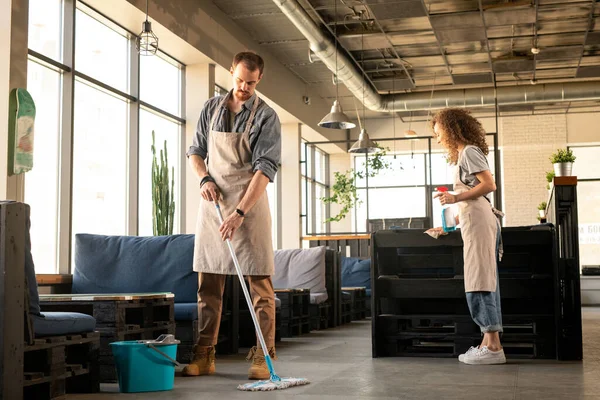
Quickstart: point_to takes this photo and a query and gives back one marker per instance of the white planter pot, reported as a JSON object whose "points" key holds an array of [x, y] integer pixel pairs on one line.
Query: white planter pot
{"points": [[563, 169], [542, 213]]}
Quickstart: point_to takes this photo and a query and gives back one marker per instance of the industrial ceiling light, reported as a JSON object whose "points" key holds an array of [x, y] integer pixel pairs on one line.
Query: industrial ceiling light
{"points": [[146, 42], [364, 144], [336, 119]]}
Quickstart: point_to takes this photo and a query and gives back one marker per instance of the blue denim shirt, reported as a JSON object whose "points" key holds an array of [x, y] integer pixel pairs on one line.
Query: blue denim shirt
{"points": [[264, 136]]}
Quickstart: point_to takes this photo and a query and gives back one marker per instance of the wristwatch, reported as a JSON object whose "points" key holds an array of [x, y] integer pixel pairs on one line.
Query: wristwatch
{"points": [[240, 212]]}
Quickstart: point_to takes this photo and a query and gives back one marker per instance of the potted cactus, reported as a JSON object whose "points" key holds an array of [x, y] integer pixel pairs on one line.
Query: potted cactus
{"points": [[563, 161], [542, 209], [163, 205]]}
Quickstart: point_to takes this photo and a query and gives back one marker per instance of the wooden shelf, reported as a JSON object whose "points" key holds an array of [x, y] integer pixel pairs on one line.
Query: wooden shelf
{"points": [[53, 279], [565, 181], [337, 237]]}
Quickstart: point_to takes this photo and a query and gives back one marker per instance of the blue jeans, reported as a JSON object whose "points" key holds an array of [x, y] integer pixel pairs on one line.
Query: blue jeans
{"points": [[485, 306]]}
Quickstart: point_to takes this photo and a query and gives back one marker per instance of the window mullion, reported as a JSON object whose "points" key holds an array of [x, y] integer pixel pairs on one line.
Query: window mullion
{"points": [[133, 138], [65, 191]]}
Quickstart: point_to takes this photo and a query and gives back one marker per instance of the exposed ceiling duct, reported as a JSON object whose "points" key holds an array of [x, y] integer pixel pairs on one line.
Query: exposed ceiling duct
{"points": [[348, 72]]}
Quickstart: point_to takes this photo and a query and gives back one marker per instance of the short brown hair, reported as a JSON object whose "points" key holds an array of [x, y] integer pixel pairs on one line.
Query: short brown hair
{"points": [[251, 60], [459, 127]]}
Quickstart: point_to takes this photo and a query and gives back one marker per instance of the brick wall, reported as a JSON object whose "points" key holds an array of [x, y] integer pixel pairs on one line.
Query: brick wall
{"points": [[526, 143]]}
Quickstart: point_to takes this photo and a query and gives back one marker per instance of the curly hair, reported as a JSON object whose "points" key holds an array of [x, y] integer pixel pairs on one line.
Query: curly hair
{"points": [[459, 127]]}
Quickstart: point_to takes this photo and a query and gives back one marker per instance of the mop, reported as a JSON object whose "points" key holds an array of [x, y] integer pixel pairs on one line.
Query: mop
{"points": [[275, 382]]}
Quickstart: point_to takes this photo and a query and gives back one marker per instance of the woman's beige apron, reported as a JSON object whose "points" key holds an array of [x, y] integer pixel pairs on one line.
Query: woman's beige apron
{"points": [[479, 228], [230, 164]]}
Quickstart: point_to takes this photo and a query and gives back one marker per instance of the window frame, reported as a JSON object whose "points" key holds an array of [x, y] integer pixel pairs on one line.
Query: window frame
{"points": [[69, 75]]}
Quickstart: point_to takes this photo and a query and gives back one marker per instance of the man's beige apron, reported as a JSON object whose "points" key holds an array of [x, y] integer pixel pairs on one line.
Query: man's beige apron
{"points": [[230, 164], [479, 228]]}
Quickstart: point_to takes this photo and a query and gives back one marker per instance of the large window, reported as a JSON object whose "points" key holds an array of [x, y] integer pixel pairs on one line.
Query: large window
{"points": [[41, 185], [99, 162], [403, 193], [314, 182], [92, 157], [587, 170]]}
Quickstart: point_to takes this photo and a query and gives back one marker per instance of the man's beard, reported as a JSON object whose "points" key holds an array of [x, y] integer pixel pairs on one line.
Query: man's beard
{"points": [[241, 95]]}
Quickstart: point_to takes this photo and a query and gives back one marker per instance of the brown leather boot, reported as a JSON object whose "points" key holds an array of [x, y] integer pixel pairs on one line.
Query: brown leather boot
{"points": [[259, 369], [203, 362]]}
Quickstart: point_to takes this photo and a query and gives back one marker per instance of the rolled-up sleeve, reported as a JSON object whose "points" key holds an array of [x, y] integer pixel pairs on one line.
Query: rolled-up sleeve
{"points": [[199, 144], [266, 154]]}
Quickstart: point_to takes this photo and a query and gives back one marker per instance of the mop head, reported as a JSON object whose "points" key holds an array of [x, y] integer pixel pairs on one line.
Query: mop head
{"points": [[273, 384]]}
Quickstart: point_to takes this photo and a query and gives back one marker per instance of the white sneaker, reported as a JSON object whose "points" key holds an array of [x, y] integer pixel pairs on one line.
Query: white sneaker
{"points": [[485, 356], [471, 350]]}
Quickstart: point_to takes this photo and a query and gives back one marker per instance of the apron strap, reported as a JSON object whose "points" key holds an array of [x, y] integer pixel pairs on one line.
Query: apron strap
{"points": [[251, 117], [214, 116]]}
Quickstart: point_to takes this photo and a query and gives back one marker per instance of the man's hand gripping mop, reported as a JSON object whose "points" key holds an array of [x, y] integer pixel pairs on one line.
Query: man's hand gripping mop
{"points": [[275, 382]]}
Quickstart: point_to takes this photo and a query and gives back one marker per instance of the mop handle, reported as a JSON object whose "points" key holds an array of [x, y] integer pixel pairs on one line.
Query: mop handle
{"points": [[248, 299]]}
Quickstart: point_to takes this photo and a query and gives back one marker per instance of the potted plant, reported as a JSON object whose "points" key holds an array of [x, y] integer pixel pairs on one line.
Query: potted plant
{"points": [[563, 161], [163, 188], [550, 179], [542, 209]]}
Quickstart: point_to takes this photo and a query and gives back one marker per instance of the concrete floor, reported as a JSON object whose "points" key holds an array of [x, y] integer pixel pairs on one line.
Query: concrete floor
{"points": [[339, 365]]}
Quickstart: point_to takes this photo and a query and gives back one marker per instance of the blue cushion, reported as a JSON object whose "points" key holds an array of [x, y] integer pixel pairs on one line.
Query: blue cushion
{"points": [[186, 311], [368, 292], [62, 323], [356, 272], [136, 264]]}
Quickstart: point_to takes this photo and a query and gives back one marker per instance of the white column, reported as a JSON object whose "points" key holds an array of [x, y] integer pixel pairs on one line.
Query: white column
{"points": [[13, 74], [289, 211], [200, 86]]}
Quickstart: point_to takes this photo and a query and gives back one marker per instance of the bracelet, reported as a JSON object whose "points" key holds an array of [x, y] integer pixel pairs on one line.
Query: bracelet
{"points": [[240, 212], [207, 178]]}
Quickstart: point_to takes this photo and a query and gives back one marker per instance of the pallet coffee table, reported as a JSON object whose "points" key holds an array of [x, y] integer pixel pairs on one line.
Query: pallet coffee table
{"points": [[119, 316]]}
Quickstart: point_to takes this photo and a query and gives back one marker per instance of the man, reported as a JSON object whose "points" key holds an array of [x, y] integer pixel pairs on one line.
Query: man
{"points": [[235, 154]]}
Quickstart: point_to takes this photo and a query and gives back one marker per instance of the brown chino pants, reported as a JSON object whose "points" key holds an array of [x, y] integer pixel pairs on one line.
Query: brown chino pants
{"points": [[210, 306]]}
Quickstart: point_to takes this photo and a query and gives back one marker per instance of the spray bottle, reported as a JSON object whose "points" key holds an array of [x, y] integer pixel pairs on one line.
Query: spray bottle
{"points": [[448, 213]]}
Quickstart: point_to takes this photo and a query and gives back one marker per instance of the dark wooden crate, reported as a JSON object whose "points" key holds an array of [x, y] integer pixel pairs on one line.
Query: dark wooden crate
{"points": [[297, 328], [294, 303], [320, 315], [449, 336], [359, 302], [57, 365], [124, 315]]}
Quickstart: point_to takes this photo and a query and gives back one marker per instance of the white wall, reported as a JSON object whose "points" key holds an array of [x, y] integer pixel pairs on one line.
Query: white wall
{"points": [[289, 208], [527, 143], [583, 128], [13, 74], [200, 83]]}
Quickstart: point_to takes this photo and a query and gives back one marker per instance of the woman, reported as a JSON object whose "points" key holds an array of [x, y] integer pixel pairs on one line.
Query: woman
{"points": [[464, 139]]}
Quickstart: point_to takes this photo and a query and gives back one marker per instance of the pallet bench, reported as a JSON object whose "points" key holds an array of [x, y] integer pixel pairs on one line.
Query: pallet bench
{"points": [[57, 365], [118, 317], [295, 316]]}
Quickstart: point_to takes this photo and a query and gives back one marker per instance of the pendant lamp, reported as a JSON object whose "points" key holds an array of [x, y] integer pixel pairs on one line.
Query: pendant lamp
{"points": [[146, 42], [364, 144], [336, 119]]}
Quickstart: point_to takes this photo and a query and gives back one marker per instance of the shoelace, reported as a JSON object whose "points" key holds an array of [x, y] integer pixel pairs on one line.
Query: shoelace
{"points": [[471, 350], [481, 352]]}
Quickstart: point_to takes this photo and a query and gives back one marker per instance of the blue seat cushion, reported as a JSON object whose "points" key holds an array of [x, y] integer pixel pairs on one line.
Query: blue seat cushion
{"points": [[136, 264], [356, 272], [62, 323], [186, 311]]}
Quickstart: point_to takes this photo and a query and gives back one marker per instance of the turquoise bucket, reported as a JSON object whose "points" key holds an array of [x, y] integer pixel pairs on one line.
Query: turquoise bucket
{"points": [[142, 368]]}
